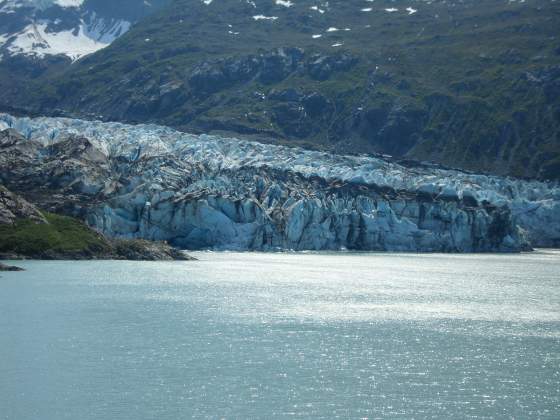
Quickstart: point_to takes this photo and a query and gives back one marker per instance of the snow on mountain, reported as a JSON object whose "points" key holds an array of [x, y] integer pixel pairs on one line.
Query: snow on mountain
{"points": [[71, 28], [69, 3], [36, 40], [37, 36], [7, 5]]}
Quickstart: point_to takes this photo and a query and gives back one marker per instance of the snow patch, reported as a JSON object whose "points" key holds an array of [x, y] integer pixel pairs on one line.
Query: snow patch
{"points": [[285, 3], [36, 41], [263, 17], [69, 3]]}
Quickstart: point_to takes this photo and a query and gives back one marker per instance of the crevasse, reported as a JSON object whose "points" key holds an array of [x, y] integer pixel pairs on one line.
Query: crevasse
{"points": [[215, 192]]}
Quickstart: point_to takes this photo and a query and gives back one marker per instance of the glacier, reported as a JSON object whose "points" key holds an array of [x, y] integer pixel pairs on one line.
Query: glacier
{"points": [[201, 191]]}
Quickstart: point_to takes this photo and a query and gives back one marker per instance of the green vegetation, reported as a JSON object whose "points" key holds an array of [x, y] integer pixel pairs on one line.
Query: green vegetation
{"points": [[68, 238], [468, 84], [61, 235]]}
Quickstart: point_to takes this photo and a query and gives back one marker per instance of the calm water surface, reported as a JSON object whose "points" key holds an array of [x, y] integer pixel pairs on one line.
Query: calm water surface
{"points": [[243, 336]]}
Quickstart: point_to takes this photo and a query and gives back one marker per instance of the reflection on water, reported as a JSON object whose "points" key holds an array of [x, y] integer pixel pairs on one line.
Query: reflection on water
{"points": [[248, 335]]}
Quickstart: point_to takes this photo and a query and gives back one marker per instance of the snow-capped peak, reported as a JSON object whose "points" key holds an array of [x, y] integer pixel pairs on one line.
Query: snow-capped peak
{"points": [[72, 28]]}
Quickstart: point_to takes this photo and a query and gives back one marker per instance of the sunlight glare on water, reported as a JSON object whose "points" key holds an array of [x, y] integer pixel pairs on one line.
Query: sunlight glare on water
{"points": [[304, 335]]}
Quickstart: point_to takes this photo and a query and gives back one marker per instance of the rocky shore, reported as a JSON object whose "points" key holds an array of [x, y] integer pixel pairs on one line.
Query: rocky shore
{"points": [[121, 249], [4, 267], [26, 232]]}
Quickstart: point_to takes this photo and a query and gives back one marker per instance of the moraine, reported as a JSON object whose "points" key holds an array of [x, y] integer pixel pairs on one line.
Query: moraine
{"points": [[199, 191]]}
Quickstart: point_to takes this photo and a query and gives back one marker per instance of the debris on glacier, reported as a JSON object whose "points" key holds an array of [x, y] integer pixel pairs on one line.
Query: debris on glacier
{"points": [[200, 191]]}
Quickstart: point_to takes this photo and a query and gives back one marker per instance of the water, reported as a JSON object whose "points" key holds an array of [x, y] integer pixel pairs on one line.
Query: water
{"points": [[246, 336]]}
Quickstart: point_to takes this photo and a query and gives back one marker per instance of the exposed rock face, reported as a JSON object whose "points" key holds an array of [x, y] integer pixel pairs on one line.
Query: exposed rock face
{"points": [[13, 207], [142, 250], [155, 183], [4, 267], [322, 67], [269, 67]]}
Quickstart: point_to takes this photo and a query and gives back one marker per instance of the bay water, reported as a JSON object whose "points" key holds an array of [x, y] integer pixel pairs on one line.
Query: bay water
{"points": [[283, 335]]}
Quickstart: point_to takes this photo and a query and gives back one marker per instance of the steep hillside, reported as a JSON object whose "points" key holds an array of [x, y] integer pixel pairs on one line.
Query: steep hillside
{"points": [[70, 28], [467, 84], [43, 37]]}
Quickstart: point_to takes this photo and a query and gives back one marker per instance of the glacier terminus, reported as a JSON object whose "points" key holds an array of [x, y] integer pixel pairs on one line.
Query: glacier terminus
{"points": [[210, 192]]}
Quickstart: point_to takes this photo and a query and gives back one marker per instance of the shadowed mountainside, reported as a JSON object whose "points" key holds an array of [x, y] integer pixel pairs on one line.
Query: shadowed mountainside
{"points": [[467, 84]]}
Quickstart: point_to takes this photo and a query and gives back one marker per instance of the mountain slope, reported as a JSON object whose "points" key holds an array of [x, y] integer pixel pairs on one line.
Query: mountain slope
{"points": [[69, 28], [464, 83], [43, 37]]}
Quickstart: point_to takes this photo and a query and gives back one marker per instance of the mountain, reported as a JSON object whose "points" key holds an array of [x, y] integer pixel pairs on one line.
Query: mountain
{"points": [[468, 84], [44, 37], [65, 28], [152, 182]]}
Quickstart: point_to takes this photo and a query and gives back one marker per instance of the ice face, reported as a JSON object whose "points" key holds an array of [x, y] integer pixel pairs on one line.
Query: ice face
{"points": [[534, 205]]}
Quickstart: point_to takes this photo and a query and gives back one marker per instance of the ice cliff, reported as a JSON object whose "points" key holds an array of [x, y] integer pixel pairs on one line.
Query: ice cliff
{"points": [[198, 191]]}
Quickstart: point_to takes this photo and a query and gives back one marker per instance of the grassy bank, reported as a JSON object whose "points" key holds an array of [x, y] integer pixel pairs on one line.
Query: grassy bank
{"points": [[61, 235]]}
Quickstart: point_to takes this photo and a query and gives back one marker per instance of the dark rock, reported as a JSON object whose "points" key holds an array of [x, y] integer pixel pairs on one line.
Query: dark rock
{"points": [[392, 130], [292, 119], [465, 86], [315, 104], [403, 85], [207, 78], [269, 67], [321, 67], [237, 70], [142, 250], [13, 207], [4, 267], [171, 95], [278, 64], [77, 148]]}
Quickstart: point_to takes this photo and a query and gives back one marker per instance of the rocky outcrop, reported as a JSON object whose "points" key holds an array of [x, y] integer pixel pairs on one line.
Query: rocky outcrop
{"points": [[392, 129], [322, 66], [142, 250], [155, 183], [268, 67], [25, 232], [13, 207], [299, 114], [4, 267]]}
